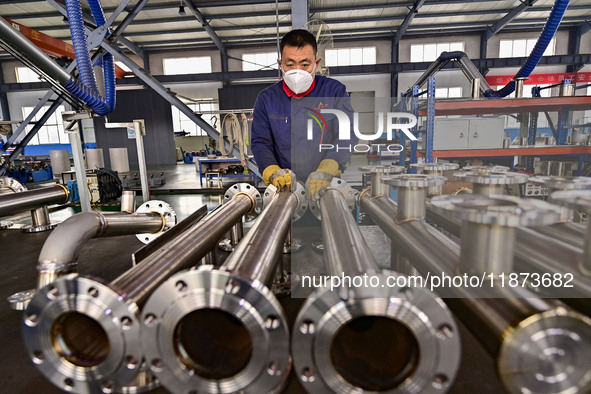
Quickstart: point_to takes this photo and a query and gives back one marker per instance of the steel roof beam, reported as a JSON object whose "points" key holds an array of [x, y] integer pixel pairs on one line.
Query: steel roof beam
{"points": [[407, 20], [504, 21], [210, 31]]}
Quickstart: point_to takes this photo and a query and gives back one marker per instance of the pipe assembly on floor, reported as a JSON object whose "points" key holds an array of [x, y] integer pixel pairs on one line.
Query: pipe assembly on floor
{"points": [[356, 339], [222, 330], [84, 335], [515, 326], [177, 319]]}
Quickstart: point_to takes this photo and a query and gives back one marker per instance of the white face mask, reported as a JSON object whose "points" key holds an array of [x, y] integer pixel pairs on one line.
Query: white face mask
{"points": [[298, 80]]}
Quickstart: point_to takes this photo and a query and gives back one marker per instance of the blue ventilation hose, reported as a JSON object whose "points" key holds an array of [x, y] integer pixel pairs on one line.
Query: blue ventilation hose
{"points": [[85, 88], [536, 54]]}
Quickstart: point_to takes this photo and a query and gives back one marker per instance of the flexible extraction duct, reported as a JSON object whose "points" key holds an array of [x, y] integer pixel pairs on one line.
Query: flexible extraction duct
{"points": [[87, 90], [536, 54]]}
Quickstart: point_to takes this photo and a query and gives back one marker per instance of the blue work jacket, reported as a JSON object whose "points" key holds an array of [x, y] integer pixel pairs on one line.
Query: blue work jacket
{"points": [[282, 126]]}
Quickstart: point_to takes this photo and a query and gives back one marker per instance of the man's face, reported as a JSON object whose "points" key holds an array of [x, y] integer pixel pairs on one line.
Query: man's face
{"points": [[293, 58]]}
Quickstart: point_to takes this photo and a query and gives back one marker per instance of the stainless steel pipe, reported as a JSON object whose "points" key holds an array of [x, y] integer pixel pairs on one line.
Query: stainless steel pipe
{"points": [[223, 331], [366, 338], [84, 335], [512, 324], [31, 199], [59, 255]]}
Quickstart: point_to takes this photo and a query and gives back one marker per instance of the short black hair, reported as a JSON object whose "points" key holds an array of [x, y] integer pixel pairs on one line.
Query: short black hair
{"points": [[298, 38]]}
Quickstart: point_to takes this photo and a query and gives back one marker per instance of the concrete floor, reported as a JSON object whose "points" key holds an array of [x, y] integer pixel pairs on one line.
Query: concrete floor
{"points": [[107, 258]]}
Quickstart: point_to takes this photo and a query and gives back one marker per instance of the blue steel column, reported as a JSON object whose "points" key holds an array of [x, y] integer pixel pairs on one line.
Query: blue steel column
{"points": [[430, 120], [531, 139], [402, 155], [415, 112]]}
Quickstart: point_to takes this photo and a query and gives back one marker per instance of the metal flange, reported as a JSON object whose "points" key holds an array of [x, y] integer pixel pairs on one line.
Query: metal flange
{"points": [[301, 201], [491, 177], [6, 224], [251, 192], [19, 301], [12, 184], [346, 190], [497, 210], [435, 167], [383, 169], [547, 353], [574, 199], [168, 216], [254, 355], [563, 182], [486, 169], [83, 336], [415, 181], [428, 361]]}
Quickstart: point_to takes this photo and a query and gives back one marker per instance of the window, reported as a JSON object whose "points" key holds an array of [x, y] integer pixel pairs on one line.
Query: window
{"points": [[25, 74], [453, 92], [522, 47], [52, 132], [180, 121], [430, 52], [350, 56], [259, 61], [187, 65]]}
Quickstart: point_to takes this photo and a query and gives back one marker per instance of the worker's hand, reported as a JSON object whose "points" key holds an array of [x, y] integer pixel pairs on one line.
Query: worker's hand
{"points": [[279, 177], [321, 178]]}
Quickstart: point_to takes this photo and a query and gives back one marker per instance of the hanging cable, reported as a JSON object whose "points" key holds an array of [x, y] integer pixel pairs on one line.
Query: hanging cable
{"points": [[236, 132], [231, 126]]}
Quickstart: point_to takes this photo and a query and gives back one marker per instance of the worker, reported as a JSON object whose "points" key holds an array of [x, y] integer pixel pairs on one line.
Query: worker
{"points": [[281, 142]]}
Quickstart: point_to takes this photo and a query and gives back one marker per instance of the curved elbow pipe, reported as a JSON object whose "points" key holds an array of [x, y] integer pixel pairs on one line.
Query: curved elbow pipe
{"points": [[60, 252], [465, 64]]}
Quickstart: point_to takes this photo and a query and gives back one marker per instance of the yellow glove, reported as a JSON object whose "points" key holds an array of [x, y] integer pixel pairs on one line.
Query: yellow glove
{"points": [[279, 177], [321, 178]]}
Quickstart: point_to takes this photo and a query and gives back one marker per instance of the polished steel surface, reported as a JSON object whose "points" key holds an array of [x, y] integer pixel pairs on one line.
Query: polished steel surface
{"points": [[345, 249], [300, 202], [157, 243], [167, 219], [500, 322], [256, 255], [183, 251], [486, 249], [128, 201], [366, 338], [497, 210], [10, 185], [379, 188], [30, 199], [69, 359], [490, 183], [250, 356], [581, 201], [345, 189], [412, 189], [124, 294]]}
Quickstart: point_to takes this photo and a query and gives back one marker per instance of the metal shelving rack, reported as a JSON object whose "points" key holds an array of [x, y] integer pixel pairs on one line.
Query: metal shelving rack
{"points": [[563, 105]]}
